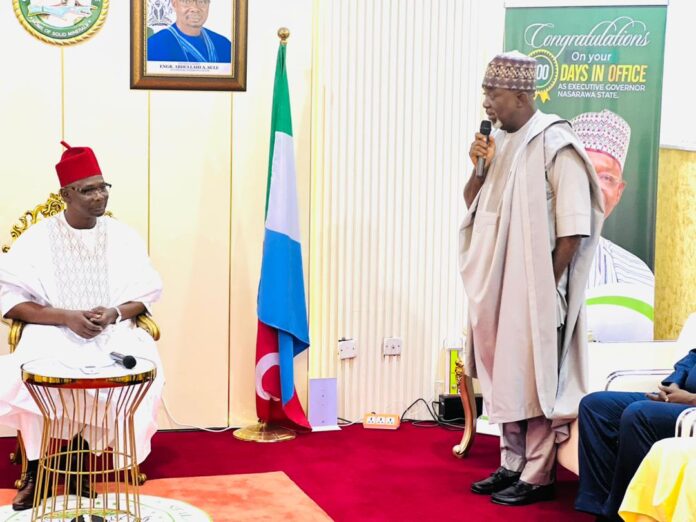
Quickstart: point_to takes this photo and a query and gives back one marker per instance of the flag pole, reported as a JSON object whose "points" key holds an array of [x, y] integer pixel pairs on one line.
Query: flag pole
{"points": [[283, 34], [262, 431]]}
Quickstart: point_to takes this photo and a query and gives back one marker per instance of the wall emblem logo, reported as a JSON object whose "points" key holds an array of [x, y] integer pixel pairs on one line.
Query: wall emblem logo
{"points": [[61, 22]]}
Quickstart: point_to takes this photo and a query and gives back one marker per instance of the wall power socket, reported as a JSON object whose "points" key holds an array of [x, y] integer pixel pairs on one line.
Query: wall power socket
{"points": [[381, 421]]}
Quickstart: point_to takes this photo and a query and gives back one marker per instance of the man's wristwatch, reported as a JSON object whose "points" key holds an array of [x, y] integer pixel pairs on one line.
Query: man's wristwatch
{"points": [[119, 317]]}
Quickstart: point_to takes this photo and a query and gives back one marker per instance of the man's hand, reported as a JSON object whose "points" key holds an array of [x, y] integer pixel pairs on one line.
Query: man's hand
{"points": [[80, 323], [563, 253], [482, 148], [673, 394], [102, 316], [661, 396]]}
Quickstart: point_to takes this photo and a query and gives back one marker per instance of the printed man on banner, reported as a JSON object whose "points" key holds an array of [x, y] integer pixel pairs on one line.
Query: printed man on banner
{"points": [[77, 279], [526, 246], [606, 137], [186, 40]]}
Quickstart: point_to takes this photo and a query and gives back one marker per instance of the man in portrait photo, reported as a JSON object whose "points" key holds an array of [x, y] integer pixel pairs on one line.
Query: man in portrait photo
{"points": [[187, 40]]}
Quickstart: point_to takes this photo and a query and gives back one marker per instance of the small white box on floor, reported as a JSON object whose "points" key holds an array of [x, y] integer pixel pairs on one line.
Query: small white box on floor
{"points": [[323, 404]]}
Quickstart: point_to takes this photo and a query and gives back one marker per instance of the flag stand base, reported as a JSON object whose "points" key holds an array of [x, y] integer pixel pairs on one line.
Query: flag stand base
{"points": [[262, 432]]}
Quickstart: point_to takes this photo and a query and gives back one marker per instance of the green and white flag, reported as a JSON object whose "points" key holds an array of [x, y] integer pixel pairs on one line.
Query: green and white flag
{"points": [[283, 329]]}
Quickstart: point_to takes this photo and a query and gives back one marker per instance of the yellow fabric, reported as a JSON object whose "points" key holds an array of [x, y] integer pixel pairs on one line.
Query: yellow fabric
{"points": [[664, 487]]}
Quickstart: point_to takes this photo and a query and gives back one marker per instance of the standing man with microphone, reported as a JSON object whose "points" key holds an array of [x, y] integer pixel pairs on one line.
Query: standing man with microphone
{"points": [[535, 212]]}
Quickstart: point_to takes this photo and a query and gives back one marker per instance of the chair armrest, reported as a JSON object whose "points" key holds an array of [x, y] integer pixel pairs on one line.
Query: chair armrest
{"points": [[148, 324], [15, 334], [143, 321], [657, 372], [686, 424], [605, 358]]}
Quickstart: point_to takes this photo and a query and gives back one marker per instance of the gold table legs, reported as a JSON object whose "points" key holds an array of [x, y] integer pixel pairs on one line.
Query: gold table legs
{"points": [[88, 463]]}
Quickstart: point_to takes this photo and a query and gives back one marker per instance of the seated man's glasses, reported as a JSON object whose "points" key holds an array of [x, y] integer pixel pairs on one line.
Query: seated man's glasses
{"points": [[92, 190], [200, 3]]}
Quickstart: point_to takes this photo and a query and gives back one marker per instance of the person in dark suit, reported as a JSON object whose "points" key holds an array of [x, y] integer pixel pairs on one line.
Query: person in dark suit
{"points": [[617, 430]]}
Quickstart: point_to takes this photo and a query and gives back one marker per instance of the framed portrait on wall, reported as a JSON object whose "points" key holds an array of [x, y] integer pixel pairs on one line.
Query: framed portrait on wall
{"points": [[189, 44]]}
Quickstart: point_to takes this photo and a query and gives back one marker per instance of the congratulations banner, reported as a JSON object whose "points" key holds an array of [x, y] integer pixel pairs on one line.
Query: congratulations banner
{"points": [[601, 68]]}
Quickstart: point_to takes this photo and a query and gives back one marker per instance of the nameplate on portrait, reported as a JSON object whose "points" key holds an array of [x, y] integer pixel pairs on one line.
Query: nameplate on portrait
{"points": [[189, 68]]}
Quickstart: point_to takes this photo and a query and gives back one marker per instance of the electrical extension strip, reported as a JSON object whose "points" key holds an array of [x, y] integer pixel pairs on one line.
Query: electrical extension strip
{"points": [[381, 421]]}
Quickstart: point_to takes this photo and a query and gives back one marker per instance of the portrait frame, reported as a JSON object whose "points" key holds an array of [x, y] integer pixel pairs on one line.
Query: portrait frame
{"points": [[177, 74]]}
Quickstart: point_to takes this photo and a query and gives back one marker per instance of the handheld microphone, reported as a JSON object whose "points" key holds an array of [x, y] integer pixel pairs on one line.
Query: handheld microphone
{"points": [[486, 131], [127, 361]]}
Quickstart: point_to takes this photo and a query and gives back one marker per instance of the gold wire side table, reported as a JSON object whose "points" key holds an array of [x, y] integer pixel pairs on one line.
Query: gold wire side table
{"points": [[88, 444]]}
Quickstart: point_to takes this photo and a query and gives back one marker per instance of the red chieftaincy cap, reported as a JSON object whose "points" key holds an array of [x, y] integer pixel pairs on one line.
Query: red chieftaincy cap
{"points": [[76, 163]]}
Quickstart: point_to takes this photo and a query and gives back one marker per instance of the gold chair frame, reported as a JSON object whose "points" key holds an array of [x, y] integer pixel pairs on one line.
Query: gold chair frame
{"points": [[53, 205], [466, 392]]}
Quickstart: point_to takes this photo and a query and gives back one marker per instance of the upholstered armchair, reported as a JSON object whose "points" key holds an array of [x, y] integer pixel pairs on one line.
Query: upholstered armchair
{"points": [[53, 205]]}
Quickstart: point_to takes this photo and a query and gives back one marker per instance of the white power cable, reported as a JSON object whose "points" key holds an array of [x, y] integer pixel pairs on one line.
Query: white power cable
{"points": [[174, 421]]}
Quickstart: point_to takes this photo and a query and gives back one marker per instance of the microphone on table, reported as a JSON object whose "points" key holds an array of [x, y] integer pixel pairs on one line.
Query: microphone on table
{"points": [[127, 361], [486, 131]]}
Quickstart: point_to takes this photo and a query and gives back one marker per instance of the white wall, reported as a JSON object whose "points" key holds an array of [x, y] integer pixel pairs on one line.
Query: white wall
{"points": [[398, 98], [678, 108]]}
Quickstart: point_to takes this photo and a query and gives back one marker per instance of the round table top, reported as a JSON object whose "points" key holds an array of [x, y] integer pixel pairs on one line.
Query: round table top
{"points": [[56, 373]]}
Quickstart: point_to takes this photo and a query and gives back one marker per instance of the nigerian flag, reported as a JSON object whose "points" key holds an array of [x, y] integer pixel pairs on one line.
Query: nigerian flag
{"points": [[283, 331]]}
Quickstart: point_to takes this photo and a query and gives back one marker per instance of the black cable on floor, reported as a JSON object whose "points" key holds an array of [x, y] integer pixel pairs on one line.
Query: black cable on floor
{"points": [[437, 421]]}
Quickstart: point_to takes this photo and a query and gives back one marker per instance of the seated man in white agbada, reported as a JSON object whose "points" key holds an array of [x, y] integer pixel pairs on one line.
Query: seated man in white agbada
{"points": [[77, 279]]}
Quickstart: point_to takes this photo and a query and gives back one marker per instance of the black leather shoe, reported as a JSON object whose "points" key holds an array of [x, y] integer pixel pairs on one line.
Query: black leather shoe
{"points": [[499, 480], [85, 489], [522, 493], [79, 462], [24, 499]]}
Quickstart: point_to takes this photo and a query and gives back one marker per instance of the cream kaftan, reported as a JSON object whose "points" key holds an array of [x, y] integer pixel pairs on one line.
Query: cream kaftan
{"points": [[540, 186]]}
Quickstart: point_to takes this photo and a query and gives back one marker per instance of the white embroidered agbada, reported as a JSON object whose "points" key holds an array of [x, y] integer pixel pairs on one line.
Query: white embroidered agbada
{"points": [[53, 264], [514, 304]]}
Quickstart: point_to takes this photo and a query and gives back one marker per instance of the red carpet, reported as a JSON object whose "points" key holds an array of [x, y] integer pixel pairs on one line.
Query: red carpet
{"points": [[356, 474]]}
